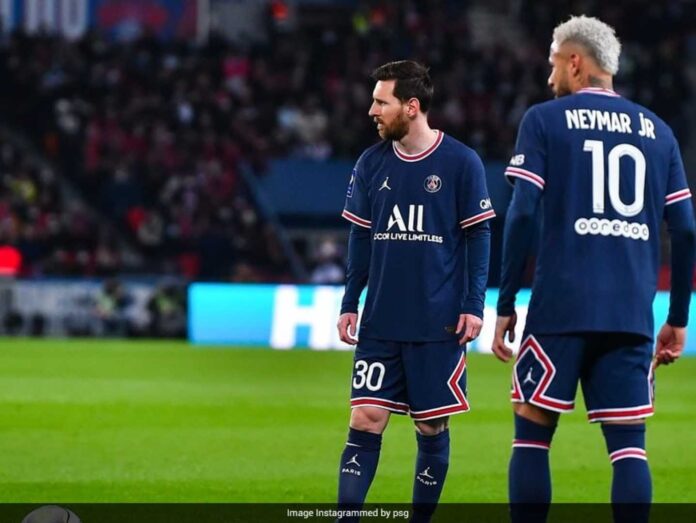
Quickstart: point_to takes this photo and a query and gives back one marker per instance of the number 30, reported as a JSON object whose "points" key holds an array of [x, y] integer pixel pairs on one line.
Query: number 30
{"points": [[365, 373]]}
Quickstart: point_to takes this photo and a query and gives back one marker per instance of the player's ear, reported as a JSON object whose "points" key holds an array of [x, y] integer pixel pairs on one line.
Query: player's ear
{"points": [[412, 107], [575, 62]]}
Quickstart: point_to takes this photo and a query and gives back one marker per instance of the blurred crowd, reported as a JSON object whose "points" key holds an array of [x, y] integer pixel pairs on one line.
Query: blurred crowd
{"points": [[658, 59], [53, 234], [158, 136], [149, 137]]}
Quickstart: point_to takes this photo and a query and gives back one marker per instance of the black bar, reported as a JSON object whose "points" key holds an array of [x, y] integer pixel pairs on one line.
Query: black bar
{"points": [[318, 512]]}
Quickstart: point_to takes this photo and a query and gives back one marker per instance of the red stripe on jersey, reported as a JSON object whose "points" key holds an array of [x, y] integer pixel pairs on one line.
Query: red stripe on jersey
{"points": [[524, 177], [525, 174], [421, 155], [599, 90], [357, 220], [677, 196], [486, 215]]}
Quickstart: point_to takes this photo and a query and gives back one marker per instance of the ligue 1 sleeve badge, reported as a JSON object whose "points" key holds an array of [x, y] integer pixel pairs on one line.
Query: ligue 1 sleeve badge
{"points": [[351, 184], [433, 183]]}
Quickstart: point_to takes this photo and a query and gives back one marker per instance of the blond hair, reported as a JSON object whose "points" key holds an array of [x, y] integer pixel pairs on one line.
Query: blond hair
{"points": [[598, 38]]}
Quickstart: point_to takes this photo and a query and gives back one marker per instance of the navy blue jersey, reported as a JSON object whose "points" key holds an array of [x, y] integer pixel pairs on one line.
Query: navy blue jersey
{"points": [[608, 172], [416, 207]]}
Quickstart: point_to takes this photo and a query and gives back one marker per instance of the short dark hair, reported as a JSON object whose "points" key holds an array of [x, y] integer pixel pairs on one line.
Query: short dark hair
{"points": [[412, 81]]}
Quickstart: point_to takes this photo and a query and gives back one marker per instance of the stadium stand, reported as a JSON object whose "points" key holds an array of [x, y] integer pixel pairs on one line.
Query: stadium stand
{"points": [[55, 235], [157, 135]]}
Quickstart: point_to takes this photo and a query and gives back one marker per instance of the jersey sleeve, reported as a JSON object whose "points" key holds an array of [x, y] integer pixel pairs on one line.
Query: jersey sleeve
{"points": [[679, 214], [529, 161], [357, 208], [474, 203], [677, 188]]}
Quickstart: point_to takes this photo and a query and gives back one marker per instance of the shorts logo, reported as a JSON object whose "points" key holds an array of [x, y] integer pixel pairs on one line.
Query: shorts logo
{"points": [[432, 183], [518, 159], [528, 378], [486, 203], [532, 353]]}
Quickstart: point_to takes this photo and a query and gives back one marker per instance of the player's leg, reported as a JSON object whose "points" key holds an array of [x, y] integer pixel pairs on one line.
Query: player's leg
{"points": [[529, 472], [631, 480], [377, 390], [360, 456], [618, 393], [432, 463], [544, 383], [436, 381]]}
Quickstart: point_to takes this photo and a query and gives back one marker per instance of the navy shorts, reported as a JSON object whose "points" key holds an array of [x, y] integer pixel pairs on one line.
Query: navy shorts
{"points": [[425, 380], [615, 370]]}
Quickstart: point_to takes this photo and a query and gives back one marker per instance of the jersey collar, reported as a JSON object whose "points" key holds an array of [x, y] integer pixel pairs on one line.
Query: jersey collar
{"points": [[419, 156], [599, 90]]}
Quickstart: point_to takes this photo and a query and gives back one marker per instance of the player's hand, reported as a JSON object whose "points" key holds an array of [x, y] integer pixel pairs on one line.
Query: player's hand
{"points": [[669, 345], [504, 325], [347, 328], [468, 328]]}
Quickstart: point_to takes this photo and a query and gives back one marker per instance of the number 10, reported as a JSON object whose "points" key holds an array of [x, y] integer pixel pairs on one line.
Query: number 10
{"points": [[596, 147]]}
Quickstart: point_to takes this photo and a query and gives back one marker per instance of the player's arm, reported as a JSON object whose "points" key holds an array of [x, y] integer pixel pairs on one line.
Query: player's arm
{"points": [[356, 211], [679, 214], [518, 234], [359, 250], [474, 210], [478, 249], [527, 172]]}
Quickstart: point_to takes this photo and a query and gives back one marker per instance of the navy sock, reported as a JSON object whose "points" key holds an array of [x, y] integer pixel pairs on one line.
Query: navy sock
{"points": [[631, 486], [529, 481], [357, 469], [432, 463]]}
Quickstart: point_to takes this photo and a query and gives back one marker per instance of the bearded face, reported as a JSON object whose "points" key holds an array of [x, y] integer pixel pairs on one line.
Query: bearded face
{"points": [[388, 112], [559, 79], [559, 83], [396, 129]]}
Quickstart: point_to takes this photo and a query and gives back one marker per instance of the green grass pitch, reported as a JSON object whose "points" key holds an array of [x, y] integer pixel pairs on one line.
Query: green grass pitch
{"points": [[146, 421]]}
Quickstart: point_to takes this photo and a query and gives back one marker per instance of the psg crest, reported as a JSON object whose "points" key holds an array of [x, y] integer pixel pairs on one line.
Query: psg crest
{"points": [[432, 183]]}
